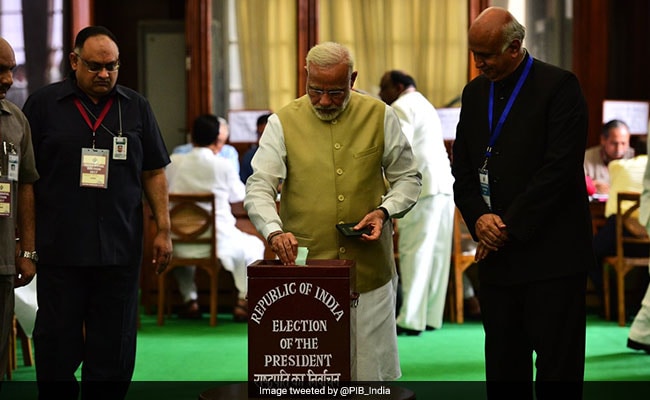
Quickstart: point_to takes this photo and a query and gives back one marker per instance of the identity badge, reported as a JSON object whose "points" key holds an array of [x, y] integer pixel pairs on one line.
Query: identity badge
{"points": [[119, 148], [12, 162], [485, 186], [94, 168], [5, 198]]}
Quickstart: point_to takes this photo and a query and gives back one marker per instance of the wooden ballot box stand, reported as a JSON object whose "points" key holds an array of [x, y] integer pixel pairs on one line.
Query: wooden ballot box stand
{"points": [[299, 326]]}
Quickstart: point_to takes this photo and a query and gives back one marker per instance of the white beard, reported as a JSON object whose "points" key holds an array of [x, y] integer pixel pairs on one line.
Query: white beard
{"points": [[332, 116]]}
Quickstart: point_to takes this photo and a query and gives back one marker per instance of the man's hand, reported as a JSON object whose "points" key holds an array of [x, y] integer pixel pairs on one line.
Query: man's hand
{"points": [[162, 251], [601, 187], [25, 271], [373, 220], [492, 235], [285, 246]]}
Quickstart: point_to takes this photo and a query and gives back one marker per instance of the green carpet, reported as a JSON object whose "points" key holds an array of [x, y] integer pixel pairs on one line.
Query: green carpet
{"points": [[183, 358]]}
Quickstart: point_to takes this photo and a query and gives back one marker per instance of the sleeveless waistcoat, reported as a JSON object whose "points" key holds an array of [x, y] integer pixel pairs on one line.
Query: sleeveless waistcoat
{"points": [[334, 175]]}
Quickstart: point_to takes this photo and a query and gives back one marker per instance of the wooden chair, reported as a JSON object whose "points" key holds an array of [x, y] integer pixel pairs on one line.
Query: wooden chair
{"points": [[460, 261], [11, 349], [622, 263], [18, 333], [191, 223]]}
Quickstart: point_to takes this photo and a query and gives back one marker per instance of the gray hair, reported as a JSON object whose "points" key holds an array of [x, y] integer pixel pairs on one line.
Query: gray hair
{"points": [[613, 124], [512, 30], [330, 53]]}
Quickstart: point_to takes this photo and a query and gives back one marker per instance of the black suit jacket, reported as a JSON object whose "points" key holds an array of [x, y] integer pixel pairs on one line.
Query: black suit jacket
{"points": [[536, 174]]}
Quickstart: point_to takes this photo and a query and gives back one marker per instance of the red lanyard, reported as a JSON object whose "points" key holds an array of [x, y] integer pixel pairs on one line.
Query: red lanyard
{"points": [[99, 119]]}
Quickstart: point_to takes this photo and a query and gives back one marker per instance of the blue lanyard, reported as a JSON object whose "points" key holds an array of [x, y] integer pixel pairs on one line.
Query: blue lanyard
{"points": [[497, 130]]}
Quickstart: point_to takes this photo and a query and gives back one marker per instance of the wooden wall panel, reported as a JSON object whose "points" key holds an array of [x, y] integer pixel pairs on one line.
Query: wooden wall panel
{"points": [[198, 36], [628, 49], [590, 57], [474, 9]]}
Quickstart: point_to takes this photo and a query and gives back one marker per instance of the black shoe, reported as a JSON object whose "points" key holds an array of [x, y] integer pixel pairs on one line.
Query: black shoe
{"points": [[407, 332], [429, 328], [190, 310], [634, 345]]}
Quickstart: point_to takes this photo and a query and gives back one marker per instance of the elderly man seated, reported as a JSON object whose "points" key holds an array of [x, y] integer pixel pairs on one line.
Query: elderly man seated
{"points": [[614, 145]]}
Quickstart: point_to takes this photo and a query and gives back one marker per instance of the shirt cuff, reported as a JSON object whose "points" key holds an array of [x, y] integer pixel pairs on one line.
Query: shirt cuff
{"points": [[386, 214]]}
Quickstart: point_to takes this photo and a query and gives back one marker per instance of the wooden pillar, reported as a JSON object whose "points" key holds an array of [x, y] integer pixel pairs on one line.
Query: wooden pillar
{"points": [[590, 58], [307, 36], [198, 39], [474, 8], [82, 14]]}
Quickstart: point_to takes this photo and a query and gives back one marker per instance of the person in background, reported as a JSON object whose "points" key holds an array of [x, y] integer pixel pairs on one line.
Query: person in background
{"points": [[246, 168], [20, 89], [227, 151], [98, 147], [199, 171], [17, 258], [614, 145], [426, 232], [625, 175], [520, 187], [639, 334], [333, 148]]}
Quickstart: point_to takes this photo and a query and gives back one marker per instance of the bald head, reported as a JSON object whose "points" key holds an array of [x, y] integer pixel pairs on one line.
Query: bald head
{"points": [[496, 40], [7, 64], [4, 44], [489, 25]]}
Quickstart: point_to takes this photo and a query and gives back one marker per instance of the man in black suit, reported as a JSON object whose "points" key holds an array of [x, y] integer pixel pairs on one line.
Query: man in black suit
{"points": [[520, 187]]}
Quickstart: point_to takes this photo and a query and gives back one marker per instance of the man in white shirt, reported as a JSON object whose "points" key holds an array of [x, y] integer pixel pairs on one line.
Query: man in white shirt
{"points": [[224, 150], [201, 170], [425, 233]]}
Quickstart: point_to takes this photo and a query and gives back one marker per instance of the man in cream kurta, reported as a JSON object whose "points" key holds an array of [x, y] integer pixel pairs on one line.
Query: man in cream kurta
{"points": [[333, 148]]}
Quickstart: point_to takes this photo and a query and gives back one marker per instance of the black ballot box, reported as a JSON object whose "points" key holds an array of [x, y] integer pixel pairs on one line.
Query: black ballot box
{"points": [[299, 324]]}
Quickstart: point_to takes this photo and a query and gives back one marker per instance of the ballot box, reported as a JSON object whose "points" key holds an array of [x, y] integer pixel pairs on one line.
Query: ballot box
{"points": [[299, 325]]}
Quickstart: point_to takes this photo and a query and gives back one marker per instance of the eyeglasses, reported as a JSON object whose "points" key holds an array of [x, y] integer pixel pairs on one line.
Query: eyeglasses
{"points": [[335, 94], [96, 68]]}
